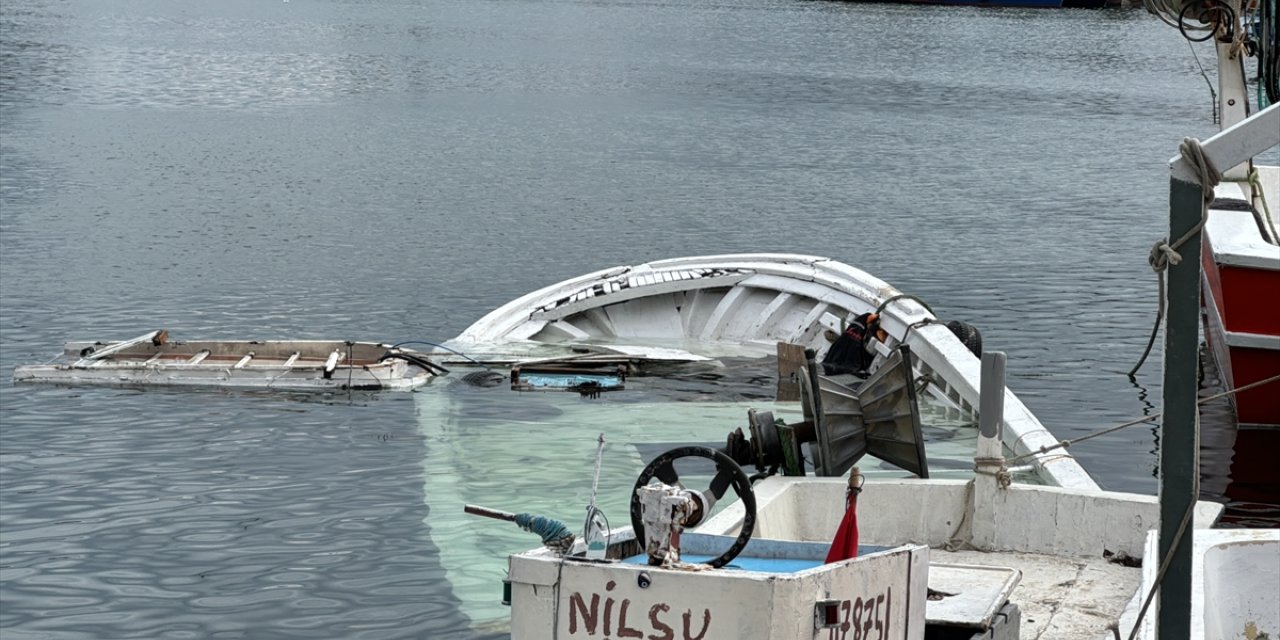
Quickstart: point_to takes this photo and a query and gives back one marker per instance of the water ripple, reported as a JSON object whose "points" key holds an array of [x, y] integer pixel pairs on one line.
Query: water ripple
{"points": [[391, 171]]}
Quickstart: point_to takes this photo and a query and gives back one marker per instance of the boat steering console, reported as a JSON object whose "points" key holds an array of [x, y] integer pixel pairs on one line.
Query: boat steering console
{"points": [[661, 507]]}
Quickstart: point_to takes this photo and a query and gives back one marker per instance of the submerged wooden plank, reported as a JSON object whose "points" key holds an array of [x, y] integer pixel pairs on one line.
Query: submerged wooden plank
{"points": [[790, 362]]}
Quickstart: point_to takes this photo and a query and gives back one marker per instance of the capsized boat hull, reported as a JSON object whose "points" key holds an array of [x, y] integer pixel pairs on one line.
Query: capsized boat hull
{"points": [[294, 365], [745, 304]]}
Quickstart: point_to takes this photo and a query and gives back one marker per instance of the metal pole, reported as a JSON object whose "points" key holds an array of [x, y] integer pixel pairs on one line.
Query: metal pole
{"points": [[983, 521], [991, 404], [1180, 428]]}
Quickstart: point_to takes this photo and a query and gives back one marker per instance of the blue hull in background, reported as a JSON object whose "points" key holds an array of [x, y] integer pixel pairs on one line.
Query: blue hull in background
{"points": [[1048, 4]]}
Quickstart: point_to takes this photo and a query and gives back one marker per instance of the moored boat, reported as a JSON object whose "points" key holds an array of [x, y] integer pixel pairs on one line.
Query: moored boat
{"points": [[295, 365], [936, 558], [1241, 281], [1239, 242]]}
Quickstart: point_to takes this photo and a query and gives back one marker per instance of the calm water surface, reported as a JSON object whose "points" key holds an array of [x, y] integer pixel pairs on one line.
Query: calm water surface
{"points": [[390, 171]]}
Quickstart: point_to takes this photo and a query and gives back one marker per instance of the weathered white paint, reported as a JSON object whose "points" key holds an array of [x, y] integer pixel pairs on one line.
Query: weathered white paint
{"points": [[1031, 518], [1233, 96], [567, 598], [748, 303], [1048, 555], [1235, 585]]}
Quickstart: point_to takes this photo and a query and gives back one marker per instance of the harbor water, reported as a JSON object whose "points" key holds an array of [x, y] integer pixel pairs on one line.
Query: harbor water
{"points": [[390, 171]]}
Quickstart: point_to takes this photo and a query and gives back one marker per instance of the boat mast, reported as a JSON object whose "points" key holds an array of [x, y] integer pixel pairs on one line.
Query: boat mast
{"points": [[1233, 93]]}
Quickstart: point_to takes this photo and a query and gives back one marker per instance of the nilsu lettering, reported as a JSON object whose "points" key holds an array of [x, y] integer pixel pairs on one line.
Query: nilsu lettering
{"points": [[617, 617]]}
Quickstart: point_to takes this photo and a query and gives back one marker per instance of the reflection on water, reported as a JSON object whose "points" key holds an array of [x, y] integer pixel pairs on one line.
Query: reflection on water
{"points": [[1237, 465], [471, 457]]}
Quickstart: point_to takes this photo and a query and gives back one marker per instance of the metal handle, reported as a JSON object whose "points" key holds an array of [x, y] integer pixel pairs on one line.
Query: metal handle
{"points": [[477, 510]]}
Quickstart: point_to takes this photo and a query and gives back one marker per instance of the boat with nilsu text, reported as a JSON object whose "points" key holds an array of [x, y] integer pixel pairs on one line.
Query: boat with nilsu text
{"points": [[832, 558]]}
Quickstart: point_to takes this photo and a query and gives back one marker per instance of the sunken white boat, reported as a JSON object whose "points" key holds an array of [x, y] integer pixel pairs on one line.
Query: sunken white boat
{"points": [[291, 365], [697, 338], [695, 308]]}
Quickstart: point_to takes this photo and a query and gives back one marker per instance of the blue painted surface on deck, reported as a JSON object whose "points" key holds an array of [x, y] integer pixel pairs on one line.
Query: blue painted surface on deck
{"points": [[745, 563], [756, 563]]}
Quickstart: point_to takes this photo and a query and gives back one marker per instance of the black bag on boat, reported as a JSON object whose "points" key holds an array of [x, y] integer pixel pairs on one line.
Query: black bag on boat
{"points": [[848, 354]]}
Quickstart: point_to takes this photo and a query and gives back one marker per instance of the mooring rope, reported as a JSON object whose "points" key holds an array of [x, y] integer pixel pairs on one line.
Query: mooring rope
{"points": [[555, 535], [1255, 182], [1067, 443], [982, 465], [1162, 252]]}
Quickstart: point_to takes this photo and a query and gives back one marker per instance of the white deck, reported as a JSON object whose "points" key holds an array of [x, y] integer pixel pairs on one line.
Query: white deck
{"points": [[1060, 540], [1235, 235], [1064, 598]]}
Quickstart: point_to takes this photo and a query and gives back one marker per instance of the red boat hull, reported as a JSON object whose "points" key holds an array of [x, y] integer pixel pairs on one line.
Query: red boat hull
{"points": [[1241, 309]]}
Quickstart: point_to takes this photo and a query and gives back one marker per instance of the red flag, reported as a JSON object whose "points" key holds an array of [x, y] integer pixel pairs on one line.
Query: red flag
{"points": [[845, 545]]}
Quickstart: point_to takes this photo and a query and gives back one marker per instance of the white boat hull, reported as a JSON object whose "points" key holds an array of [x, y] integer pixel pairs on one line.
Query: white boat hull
{"points": [[745, 304]]}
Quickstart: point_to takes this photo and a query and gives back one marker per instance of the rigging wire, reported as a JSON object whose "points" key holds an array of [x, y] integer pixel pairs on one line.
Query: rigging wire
{"points": [[440, 346], [1213, 93], [1155, 416]]}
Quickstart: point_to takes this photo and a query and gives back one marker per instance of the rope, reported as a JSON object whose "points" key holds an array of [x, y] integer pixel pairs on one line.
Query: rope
{"points": [[440, 346], [554, 534], [956, 542], [592, 511], [1066, 443], [1164, 254], [1255, 182], [1003, 476], [1213, 93]]}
